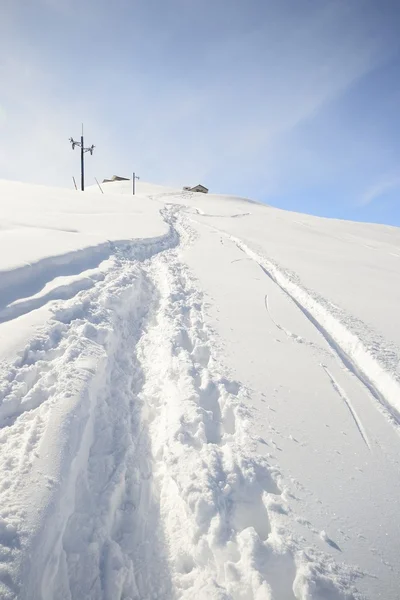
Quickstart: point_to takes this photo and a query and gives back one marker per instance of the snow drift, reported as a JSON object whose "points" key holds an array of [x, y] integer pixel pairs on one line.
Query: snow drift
{"points": [[199, 398]]}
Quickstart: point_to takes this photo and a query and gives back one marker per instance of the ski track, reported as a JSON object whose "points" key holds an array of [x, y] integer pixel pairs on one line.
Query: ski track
{"points": [[337, 387], [132, 444], [290, 335], [381, 384], [347, 402]]}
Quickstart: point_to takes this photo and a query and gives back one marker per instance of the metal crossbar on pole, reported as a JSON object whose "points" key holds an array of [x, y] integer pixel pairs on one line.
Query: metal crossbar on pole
{"points": [[81, 145]]}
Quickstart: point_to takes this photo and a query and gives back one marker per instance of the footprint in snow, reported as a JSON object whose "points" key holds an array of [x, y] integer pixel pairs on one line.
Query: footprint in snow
{"points": [[324, 536]]}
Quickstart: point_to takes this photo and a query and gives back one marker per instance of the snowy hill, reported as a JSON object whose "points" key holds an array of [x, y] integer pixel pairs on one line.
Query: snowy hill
{"points": [[199, 399]]}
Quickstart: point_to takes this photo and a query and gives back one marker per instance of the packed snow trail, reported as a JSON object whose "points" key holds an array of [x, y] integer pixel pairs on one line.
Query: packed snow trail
{"points": [[156, 491], [181, 425], [51, 398]]}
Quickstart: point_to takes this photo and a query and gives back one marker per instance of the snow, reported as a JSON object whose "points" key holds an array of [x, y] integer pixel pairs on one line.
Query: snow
{"points": [[48, 222], [199, 398]]}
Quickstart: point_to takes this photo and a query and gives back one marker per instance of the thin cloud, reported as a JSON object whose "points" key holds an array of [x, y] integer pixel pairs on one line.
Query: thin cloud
{"points": [[247, 105], [379, 190]]}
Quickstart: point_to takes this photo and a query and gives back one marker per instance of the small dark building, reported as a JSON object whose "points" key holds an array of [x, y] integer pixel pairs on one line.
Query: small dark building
{"points": [[196, 188], [115, 178]]}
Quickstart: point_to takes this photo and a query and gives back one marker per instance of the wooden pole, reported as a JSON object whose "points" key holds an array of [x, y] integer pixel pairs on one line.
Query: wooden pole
{"points": [[98, 185]]}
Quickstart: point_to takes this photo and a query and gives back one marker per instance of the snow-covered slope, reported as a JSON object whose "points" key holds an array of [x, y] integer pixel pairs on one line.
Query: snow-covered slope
{"points": [[199, 398]]}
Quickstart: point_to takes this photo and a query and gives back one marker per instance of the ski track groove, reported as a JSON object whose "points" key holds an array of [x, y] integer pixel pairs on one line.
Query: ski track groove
{"points": [[347, 402]]}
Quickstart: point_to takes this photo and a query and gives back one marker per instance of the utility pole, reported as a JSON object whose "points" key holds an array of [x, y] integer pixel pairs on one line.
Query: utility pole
{"points": [[81, 145], [134, 182]]}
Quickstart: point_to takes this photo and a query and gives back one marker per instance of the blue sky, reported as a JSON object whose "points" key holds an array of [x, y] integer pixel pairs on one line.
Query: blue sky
{"points": [[292, 102]]}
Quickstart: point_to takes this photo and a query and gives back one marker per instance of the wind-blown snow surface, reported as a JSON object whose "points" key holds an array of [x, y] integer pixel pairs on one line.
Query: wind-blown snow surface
{"points": [[199, 398]]}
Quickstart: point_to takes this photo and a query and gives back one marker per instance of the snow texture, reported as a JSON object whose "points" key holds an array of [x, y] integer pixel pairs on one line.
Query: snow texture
{"points": [[199, 399]]}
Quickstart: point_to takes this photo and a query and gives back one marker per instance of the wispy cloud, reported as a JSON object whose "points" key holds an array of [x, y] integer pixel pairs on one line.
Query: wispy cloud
{"points": [[379, 190], [246, 103]]}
